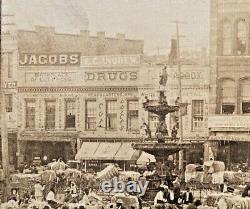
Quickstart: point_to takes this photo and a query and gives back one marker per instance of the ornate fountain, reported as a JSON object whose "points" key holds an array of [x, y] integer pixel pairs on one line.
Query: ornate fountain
{"points": [[165, 145], [160, 107]]}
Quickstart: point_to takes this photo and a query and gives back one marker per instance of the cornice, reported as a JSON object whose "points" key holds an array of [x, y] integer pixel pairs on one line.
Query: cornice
{"points": [[75, 89]]}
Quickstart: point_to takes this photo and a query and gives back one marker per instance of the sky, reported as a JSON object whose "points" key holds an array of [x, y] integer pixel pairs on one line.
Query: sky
{"points": [[148, 20]]}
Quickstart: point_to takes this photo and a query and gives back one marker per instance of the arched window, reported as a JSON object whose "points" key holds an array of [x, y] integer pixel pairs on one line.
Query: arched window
{"points": [[245, 95], [241, 42], [227, 38], [228, 96]]}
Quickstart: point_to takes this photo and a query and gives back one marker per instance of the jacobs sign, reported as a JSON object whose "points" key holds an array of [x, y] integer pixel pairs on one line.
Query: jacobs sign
{"points": [[56, 59]]}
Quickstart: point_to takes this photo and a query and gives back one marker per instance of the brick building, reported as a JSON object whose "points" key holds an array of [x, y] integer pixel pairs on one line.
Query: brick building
{"points": [[9, 65], [74, 87], [230, 80]]}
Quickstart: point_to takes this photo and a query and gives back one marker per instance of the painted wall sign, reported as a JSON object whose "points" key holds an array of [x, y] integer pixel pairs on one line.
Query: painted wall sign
{"points": [[10, 85], [50, 77], [111, 76], [29, 59], [228, 121], [110, 60]]}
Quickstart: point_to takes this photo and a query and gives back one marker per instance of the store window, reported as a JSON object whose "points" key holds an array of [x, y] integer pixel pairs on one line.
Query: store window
{"points": [[111, 115], [227, 38], [133, 115], [90, 115], [30, 114], [241, 37], [228, 96], [70, 120], [50, 115], [197, 114], [9, 102]]}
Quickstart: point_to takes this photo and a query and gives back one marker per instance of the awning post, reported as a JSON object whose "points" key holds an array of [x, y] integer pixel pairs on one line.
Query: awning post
{"points": [[85, 166]]}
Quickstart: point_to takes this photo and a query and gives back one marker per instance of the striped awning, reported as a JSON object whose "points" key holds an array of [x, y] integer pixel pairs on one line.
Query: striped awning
{"points": [[87, 151], [117, 151], [106, 151], [126, 152]]}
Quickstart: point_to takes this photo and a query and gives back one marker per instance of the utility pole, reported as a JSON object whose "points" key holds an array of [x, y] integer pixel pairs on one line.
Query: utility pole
{"points": [[4, 131], [181, 154]]}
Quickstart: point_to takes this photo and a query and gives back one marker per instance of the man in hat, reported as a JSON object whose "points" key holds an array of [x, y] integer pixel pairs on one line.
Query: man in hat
{"points": [[187, 196], [38, 191], [246, 192], [159, 200], [119, 204]]}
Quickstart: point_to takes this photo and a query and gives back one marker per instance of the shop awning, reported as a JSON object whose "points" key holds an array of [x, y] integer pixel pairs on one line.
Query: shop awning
{"points": [[87, 151], [236, 138], [106, 151], [145, 158], [126, 152]]}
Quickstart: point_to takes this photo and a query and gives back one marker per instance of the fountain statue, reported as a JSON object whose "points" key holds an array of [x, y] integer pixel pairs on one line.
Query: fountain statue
{"points": [[160, 107]]}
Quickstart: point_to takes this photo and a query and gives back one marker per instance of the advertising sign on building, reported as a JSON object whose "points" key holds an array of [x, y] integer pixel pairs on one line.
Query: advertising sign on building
{"points": [[55, 59], [229, 121], [110, 60], [10, 85], [190, 76]]}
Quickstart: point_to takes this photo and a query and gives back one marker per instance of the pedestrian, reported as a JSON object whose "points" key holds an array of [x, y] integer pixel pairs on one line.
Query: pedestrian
{"points": [[39, 191], [171, 196], [51, 198], [159, 199], [119, 204], [187, 197], [246, 192]]}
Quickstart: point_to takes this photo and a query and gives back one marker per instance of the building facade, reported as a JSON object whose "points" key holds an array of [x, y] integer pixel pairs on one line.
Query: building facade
{"points": [[75, 93], [9, 65], [73, 87], [230, 80]]}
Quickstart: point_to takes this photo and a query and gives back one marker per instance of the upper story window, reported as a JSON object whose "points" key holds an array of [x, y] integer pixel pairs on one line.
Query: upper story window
{"points": [[133, 115], [241, 39], [70, 120], [50, 115], [197, 114], [111, 115], [9, 102], [245, 96], [30, 114], [7, 62], [90, 115], [227, 43], [228, 96]]}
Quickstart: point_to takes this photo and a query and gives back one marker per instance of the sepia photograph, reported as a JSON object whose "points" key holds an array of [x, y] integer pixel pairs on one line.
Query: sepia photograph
{"points": [[125, 104]]}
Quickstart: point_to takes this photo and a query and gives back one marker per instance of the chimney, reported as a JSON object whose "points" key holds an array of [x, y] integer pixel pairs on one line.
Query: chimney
{"points": [[44, 29], [120, 36], [101, 34], [84, 33]]}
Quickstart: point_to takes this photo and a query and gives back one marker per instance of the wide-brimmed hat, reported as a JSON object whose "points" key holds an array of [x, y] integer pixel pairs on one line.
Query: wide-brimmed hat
{"points": [[119, 201]]}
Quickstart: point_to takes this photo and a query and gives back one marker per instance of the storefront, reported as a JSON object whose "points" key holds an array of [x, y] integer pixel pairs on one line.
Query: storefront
{"points": [[53, 146]]}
